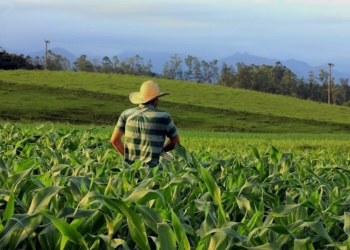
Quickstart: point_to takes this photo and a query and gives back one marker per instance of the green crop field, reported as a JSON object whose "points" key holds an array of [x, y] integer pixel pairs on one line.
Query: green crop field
{"points": [[282, 184], [88, 98], [230, 142], [66, 188]]}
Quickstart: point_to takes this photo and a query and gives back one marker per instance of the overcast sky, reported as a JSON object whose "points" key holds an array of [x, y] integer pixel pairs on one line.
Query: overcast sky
{"points": [[315, 31]]}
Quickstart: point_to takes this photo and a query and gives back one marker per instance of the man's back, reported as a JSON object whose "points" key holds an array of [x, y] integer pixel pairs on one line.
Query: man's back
{"points": [[145, 129]]}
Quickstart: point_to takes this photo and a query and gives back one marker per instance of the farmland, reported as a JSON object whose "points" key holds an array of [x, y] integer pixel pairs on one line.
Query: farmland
{"points": [[231, 142], [67, 188], [282, 184]]}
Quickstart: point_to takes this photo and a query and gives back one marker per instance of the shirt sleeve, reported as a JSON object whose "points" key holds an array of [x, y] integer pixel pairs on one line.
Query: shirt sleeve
{"points": [[121, 123], [171, 130]]}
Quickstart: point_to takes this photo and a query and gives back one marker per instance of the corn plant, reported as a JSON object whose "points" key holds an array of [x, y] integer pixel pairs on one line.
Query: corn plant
{"points": [[67, 189]]}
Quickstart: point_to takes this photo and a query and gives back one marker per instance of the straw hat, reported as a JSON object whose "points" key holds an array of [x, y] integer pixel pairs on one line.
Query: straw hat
{"points": [[149, 90]]}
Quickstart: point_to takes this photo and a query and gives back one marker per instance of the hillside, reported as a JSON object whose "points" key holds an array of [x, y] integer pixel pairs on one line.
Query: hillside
{"points": [[99, 99]]}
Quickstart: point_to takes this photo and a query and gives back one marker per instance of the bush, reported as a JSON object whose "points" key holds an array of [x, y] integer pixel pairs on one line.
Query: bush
{"points": [[346, 104]]}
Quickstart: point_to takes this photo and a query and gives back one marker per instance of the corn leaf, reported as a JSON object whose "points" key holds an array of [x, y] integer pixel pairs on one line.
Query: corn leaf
{"points": [[166, 237]]}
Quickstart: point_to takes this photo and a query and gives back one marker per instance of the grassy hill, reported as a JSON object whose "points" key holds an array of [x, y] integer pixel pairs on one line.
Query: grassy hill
{"points": [[99, 99]]}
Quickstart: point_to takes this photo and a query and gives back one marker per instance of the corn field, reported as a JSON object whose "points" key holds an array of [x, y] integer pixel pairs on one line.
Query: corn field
{"points": [[66, 189]]}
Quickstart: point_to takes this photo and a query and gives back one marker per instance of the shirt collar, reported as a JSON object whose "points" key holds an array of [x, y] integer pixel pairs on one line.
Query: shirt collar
{"points": [[149, 106]]}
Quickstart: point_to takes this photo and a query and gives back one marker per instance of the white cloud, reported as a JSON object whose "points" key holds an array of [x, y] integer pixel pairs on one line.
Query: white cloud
{"points": [[194, 13], [165, 13]]}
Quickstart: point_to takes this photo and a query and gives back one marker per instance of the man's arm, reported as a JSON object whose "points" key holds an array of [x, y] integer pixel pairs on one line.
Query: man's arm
{"points": [[117, 142], [170, 144]]}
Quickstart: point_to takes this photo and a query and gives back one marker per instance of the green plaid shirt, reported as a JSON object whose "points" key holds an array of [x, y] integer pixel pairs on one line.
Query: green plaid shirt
{"points": [[145, 133]]}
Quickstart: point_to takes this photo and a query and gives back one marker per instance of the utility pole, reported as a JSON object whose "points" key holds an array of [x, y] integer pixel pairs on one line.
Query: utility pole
{"points": [[330, 82], [46, 42]]}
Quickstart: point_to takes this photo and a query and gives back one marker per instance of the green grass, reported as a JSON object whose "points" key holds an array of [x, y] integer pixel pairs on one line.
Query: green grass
{"points": [[88, 98]]}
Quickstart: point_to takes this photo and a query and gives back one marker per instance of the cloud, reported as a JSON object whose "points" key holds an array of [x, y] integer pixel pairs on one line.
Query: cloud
{"points": [[184, 14], [160, 13]]}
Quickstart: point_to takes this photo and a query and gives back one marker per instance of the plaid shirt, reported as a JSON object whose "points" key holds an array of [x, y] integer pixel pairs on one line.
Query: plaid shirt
{"points": [[145, 133]]}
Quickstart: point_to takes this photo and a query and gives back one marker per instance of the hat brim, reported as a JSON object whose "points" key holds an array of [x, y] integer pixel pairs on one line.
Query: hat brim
{"points": [[136, 97]]}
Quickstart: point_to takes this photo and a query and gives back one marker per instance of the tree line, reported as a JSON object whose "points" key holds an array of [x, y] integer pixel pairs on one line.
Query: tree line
{"points": [[14, 61], [274, 79], [278, 79], [131, 66]]}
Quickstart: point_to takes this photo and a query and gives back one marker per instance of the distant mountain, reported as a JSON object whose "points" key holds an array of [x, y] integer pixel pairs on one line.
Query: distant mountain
{"points": [[248, 59], [300, 68], [59, 51]]}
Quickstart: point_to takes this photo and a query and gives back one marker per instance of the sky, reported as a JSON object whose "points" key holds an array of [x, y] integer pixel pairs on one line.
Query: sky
{"points": [[314, 31]]}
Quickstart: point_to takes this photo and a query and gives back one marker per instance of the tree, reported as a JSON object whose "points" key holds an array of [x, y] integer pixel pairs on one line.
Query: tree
{"points": [[14, 61], [277, 72], [227, 76], [188, 74], [97, 68], [115, 64], [278, 79], [133, 66], [244, 76], [311, 86], [127, 66], [336, 95], [197, 70], [106, 65], [139, 66], [344, 90], [323, 76], [206, 74], [210, 71], [301, 88], [147, 69], [214, 71], [82, 64], [288, 83], [261, 78], [57, 62], [29, 63], [172, 69], [38, 62]]}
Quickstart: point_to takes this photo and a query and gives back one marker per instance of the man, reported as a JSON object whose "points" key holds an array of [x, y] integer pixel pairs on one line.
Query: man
{"points": [[145, 128]]}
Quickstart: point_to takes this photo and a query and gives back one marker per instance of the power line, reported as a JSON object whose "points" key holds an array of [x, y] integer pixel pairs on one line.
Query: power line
{"points": [[46, 42]]}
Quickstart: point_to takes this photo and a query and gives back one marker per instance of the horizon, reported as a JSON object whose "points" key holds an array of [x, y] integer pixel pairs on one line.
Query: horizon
{"points": [[296, 69]]}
